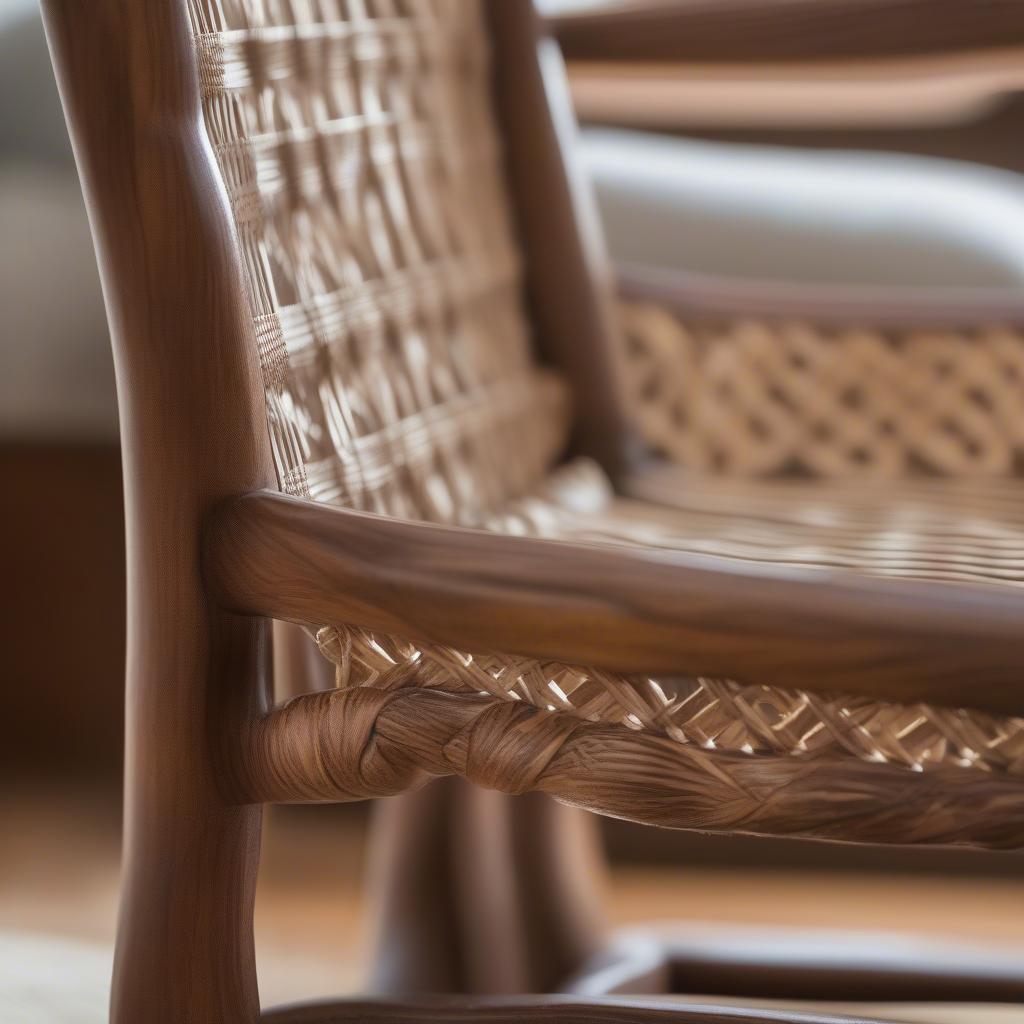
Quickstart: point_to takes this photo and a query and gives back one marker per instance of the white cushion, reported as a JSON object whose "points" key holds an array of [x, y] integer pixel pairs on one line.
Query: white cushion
{"points": [[805, 216]]}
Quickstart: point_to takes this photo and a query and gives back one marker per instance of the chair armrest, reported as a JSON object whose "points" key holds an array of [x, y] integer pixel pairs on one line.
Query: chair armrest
{"points": [[625, 609], [782, 30]]}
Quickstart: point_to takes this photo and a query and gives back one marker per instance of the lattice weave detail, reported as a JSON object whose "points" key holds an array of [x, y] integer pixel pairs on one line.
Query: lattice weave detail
{"points": [[756, 397], [707, 713], [358, 150]]}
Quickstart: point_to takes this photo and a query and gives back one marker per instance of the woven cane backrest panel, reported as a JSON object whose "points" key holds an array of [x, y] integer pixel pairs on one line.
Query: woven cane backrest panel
{"points": [[357, 146], [749, 397]]}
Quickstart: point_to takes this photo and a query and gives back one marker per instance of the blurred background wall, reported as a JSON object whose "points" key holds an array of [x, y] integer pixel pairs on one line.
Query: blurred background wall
{"points": [[61, 532]]}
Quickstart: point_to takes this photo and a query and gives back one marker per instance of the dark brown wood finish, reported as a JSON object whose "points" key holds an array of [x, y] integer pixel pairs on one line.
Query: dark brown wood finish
{"points": [[781, 30], [620, 608], [568, 277], [175, 302], [478, 892]]}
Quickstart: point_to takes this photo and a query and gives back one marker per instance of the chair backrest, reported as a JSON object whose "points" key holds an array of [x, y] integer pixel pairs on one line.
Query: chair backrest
{"points": [[359, 148]]}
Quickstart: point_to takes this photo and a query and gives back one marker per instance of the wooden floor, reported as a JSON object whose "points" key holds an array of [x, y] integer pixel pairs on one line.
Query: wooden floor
{"points": [[58, 883]]}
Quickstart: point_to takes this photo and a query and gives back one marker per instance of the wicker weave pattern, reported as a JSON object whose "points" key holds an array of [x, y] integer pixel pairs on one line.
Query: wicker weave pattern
{"points": [[358, 152], [757, 398], [953, 530], [708, 713]]}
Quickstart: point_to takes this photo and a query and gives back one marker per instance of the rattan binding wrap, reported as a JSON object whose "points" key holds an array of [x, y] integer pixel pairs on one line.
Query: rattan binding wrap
{"points": [[365, 741], [360, 159]]}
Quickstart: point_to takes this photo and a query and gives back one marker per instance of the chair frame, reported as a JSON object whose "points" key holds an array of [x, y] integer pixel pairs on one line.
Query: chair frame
{"points": [[214, 550]]}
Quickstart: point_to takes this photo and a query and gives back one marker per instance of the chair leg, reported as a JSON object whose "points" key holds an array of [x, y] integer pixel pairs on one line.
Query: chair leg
{"points": [[185, 935], [479, 893]]}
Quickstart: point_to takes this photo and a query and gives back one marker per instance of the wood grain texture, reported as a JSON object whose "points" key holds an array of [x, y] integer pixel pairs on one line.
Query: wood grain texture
{"points": [[619, 608], [194, 435], [174, 299], [783, 30], [368, 742]]}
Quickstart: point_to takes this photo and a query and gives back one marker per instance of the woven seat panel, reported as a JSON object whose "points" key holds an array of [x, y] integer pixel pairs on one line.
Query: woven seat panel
{"points": [[877, 532], [357, 147], [944, 530], [750, 397]]}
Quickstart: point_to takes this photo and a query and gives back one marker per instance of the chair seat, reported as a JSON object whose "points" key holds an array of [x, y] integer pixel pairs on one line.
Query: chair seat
{"points": [[934, 529]]}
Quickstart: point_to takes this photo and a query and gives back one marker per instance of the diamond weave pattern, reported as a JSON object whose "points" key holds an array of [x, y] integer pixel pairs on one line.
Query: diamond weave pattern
{"points": [[758, 398]]}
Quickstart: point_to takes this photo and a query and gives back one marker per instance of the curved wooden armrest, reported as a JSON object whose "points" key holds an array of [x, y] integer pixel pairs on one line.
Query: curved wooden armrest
{"points": [[783, 30], [626, 609]]}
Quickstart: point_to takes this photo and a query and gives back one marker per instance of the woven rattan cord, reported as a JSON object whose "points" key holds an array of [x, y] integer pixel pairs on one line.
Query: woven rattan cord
{"points": [[706, 713], [756, 397], [360, 158]]}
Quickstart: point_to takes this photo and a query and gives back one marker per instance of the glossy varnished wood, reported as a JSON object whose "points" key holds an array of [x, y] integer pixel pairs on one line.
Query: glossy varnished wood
{"points": [[174, 299], [568, 276], [621, 608]]}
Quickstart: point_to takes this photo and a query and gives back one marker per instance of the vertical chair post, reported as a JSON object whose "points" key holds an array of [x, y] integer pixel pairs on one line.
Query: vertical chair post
{"points": [[193, 430], [569, 282], [482, 893]]}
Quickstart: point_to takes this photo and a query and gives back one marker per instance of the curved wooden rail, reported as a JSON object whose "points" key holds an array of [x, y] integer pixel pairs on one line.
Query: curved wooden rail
{"points": [[625, 609]]}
